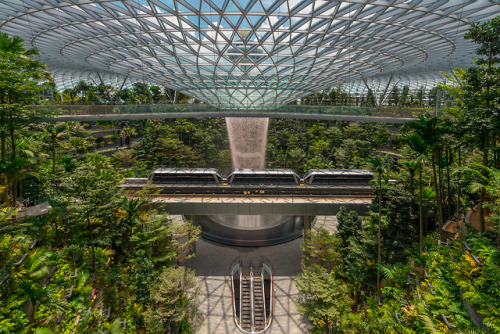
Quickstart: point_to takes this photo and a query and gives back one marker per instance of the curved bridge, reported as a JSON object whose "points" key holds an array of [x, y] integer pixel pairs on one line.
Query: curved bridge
{"points": [[92, 113]]}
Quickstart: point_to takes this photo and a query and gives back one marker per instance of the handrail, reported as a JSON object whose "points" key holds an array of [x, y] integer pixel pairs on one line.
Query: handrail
{"points": [[241, 292], [234, 267], [263, 287], [204, 109], [252, 306], [267, 266]]}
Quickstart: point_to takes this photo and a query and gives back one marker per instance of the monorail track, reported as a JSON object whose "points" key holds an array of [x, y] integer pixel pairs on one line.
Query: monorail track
{"points": [[253, 190]]}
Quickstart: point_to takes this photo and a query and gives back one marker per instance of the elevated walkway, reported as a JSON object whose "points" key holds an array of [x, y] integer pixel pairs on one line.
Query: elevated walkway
{"points": [[164, 111]]}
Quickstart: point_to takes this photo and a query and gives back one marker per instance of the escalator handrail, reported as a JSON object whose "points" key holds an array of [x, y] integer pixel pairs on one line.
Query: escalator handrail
{"points": [[252, 297], [266, 265], [263, 292], [236, 266], [241, 293]]}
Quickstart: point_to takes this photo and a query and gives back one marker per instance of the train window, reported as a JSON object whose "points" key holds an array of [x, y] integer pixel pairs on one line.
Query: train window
{"points": [[337, 177], [191, 179], [186, 176], [263, 178]]}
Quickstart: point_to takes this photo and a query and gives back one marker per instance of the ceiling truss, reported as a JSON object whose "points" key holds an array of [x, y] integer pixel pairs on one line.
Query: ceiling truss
{"points": [[249, 52]]}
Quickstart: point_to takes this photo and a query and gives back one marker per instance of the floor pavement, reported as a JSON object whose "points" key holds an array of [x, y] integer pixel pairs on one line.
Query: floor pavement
{"points": [[211, 266]]}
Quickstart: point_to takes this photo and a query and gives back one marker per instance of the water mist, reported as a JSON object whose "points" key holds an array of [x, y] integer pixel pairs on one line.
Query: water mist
{"points": [[248, 141]]}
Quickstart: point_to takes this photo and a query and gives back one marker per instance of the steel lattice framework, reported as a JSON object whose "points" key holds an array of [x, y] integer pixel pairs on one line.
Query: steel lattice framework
{"points": [[248, 52]]}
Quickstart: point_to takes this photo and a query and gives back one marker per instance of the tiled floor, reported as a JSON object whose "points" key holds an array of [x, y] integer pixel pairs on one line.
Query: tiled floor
{"points": [[211, 266]]}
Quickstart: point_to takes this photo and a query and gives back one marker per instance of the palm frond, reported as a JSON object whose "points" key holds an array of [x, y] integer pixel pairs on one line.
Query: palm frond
{"points": [[426, 317]]}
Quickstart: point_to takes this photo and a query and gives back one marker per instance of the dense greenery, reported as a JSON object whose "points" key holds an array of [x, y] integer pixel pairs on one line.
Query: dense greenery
{"points": [[89, 264], [94, 259], [139, 93], [447, 161], [101, 261]]}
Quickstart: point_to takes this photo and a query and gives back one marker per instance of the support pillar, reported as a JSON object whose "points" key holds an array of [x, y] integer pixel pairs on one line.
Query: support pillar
{"points": [[307, 225], [192, 249]]}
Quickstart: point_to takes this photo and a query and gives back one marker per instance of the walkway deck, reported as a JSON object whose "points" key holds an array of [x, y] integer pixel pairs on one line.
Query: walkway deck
{"points": [[130, 117], [90, 113]]}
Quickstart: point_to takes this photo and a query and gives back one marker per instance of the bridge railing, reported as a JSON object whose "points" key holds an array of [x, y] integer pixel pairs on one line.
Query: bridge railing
{"points": [[234, 110]]}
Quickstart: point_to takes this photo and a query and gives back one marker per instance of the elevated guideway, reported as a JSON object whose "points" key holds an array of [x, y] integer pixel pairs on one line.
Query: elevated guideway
{"points": [[300, 200], [260, 205], [92, 113]]}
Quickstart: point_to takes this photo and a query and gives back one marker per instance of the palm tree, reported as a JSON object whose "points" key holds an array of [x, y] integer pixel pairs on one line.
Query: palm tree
{"points": [[37, 267], [15, 171], [22, 79], [490, 184], [379, 169], [53, 134], [69, 96], [420, 148], [20, 67], [126, 134], [430, 129]]}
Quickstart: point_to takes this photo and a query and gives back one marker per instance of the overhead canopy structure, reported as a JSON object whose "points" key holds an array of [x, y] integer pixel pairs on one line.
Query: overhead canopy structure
{"points": [[247, 52]]}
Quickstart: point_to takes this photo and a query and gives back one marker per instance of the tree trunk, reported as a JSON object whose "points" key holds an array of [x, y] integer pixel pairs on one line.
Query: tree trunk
{"points": [[5, 194], [448, 189], [29, 310], [438, 197], [54, 164], [440, 183], [483, 190], [4, 147], [379, 236], [93, 251], [14, 194], [13, 141], [13, 147], [459, 187], [420, 213]]}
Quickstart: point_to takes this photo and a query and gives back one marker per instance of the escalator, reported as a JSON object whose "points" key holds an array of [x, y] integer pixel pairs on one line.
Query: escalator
{"points": [[252, 295]]}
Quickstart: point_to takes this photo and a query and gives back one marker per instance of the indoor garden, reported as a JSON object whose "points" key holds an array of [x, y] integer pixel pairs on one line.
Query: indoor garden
{"points": [[78, 255]]}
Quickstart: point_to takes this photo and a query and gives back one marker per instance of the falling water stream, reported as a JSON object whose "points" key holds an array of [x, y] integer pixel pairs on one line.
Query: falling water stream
{"points": [[248, 141]]}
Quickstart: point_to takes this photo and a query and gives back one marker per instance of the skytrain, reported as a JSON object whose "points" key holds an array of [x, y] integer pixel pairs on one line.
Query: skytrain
{"points": [[261, 177]]}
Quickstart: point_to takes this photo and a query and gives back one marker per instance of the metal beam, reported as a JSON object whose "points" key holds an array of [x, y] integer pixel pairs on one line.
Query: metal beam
{"points": [[382, 97], [385, 97], [253, 205]]}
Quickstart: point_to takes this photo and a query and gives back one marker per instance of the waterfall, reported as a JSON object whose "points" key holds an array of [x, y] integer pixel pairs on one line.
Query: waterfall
{"points": [[248, 141]]}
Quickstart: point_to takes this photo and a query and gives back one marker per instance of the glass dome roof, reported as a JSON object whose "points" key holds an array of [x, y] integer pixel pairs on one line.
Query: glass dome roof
{"points": [[247, 52]]}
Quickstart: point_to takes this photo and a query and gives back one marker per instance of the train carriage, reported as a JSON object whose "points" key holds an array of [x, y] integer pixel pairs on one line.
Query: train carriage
{"points": [[254, 176], [200, 176], [338, 177]]}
